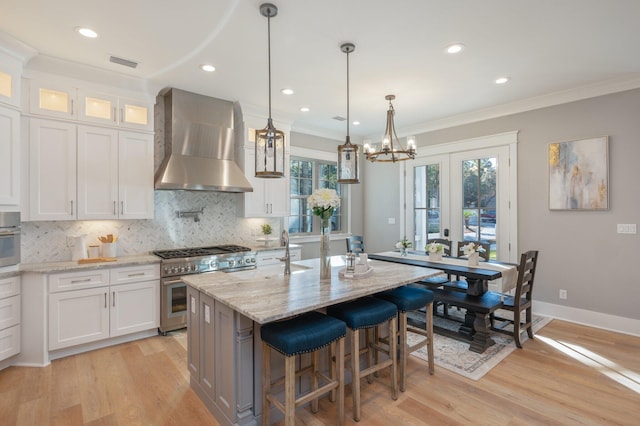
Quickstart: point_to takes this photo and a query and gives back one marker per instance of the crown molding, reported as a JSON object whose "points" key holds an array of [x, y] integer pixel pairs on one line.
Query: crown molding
{"points": [[530, 104], [15, 48]]}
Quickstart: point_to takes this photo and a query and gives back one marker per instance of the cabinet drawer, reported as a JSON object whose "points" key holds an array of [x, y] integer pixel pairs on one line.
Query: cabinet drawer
{"points": [[9, 342], [78, 280], [9, 286], [9, 312], [137, 273]]}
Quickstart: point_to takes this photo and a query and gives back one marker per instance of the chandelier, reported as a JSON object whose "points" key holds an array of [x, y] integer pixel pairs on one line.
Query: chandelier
{"points": [[270, 155], [348, 169], [390, 149]]}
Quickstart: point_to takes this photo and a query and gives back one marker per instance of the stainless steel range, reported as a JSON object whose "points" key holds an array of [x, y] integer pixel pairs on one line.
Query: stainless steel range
{"points": [[180, 262]]}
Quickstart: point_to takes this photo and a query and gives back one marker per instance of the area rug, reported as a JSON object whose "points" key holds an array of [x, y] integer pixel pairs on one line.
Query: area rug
{"points": [[456, 356]]}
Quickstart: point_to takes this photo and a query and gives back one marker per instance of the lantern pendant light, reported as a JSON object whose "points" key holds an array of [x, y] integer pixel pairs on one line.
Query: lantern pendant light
{"points": [[348, 167], [270, 155]]}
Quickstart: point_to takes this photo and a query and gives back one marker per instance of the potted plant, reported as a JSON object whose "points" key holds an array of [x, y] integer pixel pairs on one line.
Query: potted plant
{"points": [[266, 229]]}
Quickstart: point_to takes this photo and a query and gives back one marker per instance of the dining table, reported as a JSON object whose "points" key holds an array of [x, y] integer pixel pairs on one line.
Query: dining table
{"points": [[478, 301]]}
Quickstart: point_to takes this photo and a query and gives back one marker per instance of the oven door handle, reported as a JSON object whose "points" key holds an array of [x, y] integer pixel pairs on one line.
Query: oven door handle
{"points": [[170, 282]]}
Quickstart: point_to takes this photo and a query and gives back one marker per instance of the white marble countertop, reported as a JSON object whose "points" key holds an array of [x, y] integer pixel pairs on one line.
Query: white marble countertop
{"points": [[266, 294], [51, 267]]}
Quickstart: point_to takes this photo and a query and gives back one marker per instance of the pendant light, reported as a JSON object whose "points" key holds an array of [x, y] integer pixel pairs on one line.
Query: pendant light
{"points": [[270, 155], [390, 149], [348, 167]]}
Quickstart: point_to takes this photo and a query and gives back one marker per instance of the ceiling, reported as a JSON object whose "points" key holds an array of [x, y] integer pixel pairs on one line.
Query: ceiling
{"points": [[553, 51]]}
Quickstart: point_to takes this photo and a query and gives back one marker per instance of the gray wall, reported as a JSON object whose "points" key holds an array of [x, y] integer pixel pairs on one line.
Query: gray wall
{"points": [[580, 251]]}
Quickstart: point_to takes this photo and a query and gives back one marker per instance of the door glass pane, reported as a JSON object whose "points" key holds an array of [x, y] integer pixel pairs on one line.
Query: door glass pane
{"points": [[426, 204], [479, 201]]}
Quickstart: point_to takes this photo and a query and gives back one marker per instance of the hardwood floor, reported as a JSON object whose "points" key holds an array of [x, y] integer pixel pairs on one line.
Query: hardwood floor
{"points": [[569, 375]]}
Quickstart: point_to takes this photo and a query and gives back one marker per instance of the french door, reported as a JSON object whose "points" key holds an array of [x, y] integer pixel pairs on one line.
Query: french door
{"points": [[465, 194]]}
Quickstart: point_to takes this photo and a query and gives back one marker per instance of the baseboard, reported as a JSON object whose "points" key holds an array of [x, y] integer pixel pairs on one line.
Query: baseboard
{"points": [[593, 319]]}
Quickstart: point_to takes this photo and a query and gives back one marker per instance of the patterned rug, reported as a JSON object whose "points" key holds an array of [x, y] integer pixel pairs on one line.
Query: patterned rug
{"points": [[456, 356]]}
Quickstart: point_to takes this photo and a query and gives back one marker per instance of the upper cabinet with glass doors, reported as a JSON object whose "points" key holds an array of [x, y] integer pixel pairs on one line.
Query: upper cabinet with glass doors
{"points": [[65, 101], [9, 82]]}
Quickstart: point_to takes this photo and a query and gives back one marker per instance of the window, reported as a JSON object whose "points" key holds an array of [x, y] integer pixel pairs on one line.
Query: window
{"points": [[306, 175]]}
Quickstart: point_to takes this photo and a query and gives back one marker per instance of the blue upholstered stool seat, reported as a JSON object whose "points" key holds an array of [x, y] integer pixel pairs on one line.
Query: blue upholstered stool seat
{"points": [[305, 333], [363, 313], [407, 298]]}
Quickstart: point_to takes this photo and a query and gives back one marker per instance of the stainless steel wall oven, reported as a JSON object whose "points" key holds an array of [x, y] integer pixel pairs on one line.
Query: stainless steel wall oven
{"points": [[9, 238]]}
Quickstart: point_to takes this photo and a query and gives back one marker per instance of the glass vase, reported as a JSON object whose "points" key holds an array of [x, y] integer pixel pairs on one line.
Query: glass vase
{"points": [[325, 257], [403, 251]]}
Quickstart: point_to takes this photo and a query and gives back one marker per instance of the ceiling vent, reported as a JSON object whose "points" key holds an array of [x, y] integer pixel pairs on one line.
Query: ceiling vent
{"points": [[338, 118], [125, 62]]}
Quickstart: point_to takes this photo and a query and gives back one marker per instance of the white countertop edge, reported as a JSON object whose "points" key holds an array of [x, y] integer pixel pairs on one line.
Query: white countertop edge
{"points": [[49, 267]]}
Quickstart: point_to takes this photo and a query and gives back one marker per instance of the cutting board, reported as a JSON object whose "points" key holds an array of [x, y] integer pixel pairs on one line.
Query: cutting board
{"points": [[97, 260]]}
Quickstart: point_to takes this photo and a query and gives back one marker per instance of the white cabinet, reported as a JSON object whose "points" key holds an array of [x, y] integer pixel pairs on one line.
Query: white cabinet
{"points": [[10, 81], [87, 306], [52, 165], [9, 155], [89, 172], [105, 109], [9, 317], [65, 100], [272, 257], [270, 197]]}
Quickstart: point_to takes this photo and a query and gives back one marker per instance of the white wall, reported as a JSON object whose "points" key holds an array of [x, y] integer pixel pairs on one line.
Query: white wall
{"points": [[580, 251]]}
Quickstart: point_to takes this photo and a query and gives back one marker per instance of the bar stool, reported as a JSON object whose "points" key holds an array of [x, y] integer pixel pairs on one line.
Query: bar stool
{"points": [[369, 313], [305, 333], [410, 299]]}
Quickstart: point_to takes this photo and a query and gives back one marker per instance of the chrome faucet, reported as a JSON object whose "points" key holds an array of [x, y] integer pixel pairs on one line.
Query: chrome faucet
{"points": [[284, 240]]}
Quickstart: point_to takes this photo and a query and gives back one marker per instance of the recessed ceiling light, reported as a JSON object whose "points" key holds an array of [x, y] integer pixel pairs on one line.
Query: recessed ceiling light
{"points": [[207, 68], [287, 91], [87, 32], [356, 123], [455, 48], [502, 80], [305, 109]]}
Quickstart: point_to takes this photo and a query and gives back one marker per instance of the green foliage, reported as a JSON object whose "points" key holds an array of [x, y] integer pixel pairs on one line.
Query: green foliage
{"points": [[266, 229]]}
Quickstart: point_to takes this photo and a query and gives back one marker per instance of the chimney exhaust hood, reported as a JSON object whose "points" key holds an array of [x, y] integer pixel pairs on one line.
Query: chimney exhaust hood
{"points": [[199, 145]]}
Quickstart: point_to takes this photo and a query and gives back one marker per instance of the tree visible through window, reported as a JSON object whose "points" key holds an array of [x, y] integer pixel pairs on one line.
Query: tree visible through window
{"points": [[306, 175]]}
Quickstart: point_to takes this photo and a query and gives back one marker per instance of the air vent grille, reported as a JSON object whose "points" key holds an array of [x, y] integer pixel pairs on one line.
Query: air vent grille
{"points": [[338, 118], [125, 62]]}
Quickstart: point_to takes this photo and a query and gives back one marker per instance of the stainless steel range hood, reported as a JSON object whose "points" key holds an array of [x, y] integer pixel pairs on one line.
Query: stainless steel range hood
{"points": [[199, 145]]}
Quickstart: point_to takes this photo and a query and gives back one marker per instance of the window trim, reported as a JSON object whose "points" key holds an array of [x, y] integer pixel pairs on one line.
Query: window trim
{"points": [[313, 154]]}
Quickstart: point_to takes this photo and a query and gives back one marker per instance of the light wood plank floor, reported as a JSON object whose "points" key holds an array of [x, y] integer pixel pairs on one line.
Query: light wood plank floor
{"points": [[569, 375]]}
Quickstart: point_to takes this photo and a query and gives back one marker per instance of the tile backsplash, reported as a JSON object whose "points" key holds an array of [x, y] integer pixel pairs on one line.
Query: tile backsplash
{"points": [[220, 223]]}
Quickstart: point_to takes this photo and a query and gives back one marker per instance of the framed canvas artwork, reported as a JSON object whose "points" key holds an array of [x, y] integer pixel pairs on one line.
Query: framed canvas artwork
{"points": [[579, 174]]}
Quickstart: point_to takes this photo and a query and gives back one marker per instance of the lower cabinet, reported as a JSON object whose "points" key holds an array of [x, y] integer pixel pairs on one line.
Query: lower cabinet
{"points": [[9, 317], [85, 315], [220, 357]]}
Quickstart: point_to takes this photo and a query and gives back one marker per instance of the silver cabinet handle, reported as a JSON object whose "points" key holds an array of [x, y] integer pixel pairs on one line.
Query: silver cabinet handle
{"points": [[71, 106], [121, 207], [71, 207], [114, 208], [86, 280], [122, 115], [115, 115], [114, 298], [105, 300], [136, 274]]}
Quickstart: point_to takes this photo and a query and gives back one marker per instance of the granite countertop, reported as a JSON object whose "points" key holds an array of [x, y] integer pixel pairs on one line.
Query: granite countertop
{"points": [[49, 267], [266, 294]]}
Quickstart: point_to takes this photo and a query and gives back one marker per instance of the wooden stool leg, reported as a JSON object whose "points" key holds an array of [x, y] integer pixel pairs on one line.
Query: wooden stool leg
{"points": [[339, 362], [403, 349], [290, 390], [393, 349], [355, 373], [266, 383], [314, 380], [333, 361], [429, 324]]}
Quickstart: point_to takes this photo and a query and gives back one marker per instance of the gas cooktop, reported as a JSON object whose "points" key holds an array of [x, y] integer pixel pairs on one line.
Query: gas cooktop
{"points": [[205, 259], [200, 251]]}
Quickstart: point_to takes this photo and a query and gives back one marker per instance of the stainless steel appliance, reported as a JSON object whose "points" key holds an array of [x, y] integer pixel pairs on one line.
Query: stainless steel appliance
{"points": [[9, 238], [180, 262]]}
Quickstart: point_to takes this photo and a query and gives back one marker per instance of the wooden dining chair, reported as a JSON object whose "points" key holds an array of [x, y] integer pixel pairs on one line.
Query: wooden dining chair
{"points": [[519, 302], [355, 244]]}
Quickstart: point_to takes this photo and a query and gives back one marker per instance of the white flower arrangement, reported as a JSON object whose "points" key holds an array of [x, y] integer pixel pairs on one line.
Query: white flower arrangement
{"points": [[323, 202], [434, 248], [403, 243], [471, 248]]}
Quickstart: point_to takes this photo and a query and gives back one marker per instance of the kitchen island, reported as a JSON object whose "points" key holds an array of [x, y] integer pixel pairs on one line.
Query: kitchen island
{"points": [[226, 310]]}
